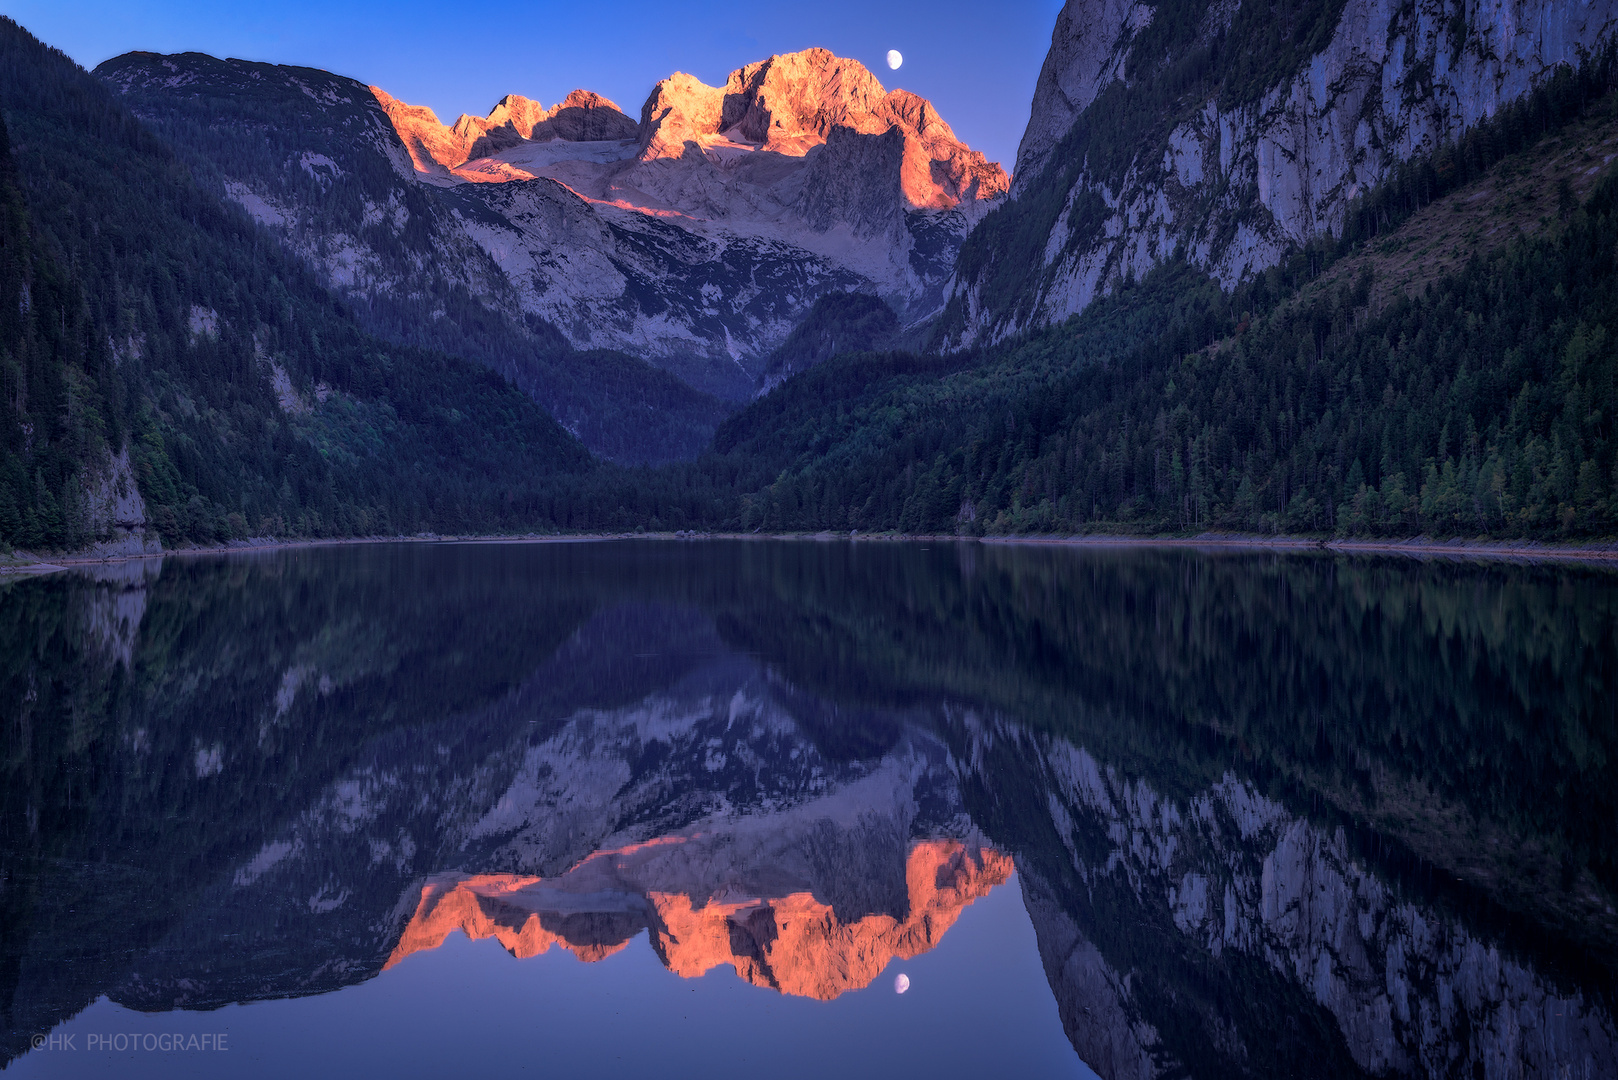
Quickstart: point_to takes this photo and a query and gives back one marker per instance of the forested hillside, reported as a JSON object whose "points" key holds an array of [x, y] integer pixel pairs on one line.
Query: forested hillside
{"points": [[1447, 366], [1391, 401], [839, 322], [148, 318]]}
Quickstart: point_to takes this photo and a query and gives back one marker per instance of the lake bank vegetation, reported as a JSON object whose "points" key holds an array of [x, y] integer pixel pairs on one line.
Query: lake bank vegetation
{"points": [[1447, 367]]}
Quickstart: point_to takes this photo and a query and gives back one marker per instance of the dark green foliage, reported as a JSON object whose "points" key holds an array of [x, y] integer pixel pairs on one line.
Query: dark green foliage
{"points": [[1483, 406], [839, 322], [163, 338], [59, 399], [886, 441]]}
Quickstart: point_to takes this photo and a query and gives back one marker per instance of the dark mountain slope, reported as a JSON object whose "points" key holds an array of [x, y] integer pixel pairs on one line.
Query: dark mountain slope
{"points": [[315, 158], [840, 322], [158, 336], [47, 435]]}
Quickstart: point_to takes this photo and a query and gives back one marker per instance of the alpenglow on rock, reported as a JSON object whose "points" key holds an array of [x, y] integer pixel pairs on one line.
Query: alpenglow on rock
{"points": [[1234, 132], [697, 237], [581, 117]]}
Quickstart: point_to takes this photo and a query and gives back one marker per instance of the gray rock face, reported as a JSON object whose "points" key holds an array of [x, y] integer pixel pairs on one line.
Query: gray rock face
{"points": [[854, 178], [696, 239], [1236, 883], [1234, 178], [1088, 48], [114, 512]]}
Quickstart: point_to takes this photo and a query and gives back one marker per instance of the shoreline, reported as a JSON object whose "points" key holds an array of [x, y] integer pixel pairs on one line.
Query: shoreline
{"points": [[1519, 551], [1416, 547]]}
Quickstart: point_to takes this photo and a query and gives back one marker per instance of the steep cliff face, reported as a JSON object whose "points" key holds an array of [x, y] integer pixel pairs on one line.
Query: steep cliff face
{"points": [[437, 149], [790, 105], [696, 238], [115, 513], [1231, 132], [1264, 905]]}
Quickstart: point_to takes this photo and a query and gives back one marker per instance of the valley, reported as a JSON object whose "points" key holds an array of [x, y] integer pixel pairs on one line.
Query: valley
{"points": [[692, 568], [1361, 292], [694, 239]]}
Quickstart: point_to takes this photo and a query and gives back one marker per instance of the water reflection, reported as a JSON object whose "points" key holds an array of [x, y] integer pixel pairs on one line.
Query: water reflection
{"points": [[1269, 815], [718, 906]]}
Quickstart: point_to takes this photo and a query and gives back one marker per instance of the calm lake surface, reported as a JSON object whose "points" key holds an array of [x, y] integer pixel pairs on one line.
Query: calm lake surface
{"points": [[703, 808]]}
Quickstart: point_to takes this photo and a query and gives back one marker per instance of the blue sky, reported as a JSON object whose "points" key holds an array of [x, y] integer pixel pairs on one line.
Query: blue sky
{"points": [[977, 61]]}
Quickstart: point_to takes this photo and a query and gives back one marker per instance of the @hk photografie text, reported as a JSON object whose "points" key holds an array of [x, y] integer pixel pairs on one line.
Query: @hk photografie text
{"points": [[154, 1042]]}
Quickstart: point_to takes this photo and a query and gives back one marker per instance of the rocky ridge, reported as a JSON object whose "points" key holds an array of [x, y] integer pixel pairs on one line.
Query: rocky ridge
{"points": [[1240, 889], [696, 239], [1245, 164], [789, 941], [806, 149], [791, 105], [436, 149]]}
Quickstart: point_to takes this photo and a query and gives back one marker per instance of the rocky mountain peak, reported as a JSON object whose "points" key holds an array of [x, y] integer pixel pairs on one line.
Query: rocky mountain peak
{"points": [[582, 116], [585, 116], [681, 109], [791, 104], [431, 145], [697, 238], [523, 114]]}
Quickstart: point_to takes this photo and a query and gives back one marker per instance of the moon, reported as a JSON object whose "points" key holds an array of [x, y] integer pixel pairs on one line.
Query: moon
{"points": [[895, 58], [902, 983]]}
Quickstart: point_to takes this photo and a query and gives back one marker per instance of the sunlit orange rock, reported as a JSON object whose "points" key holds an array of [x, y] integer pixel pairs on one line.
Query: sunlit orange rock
{"points": [[775, 112], [522, 114], [681, 109], [790, 104], [434, 148], [794, 943]]}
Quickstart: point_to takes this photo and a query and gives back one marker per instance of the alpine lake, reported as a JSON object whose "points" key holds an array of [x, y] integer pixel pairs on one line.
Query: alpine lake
{"points": [[809, 809]]}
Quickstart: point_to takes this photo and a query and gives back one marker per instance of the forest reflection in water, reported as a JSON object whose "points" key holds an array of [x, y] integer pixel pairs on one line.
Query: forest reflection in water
{"points": [[1268, 814]]}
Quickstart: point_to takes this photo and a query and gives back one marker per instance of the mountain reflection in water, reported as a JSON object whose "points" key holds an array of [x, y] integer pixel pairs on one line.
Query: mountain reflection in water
{"points": [[1269, 815], [713, 914]]}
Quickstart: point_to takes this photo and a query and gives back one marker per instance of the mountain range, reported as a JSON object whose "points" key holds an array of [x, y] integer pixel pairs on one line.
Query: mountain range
{"points": [[695, 238], [1235, 281]]}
